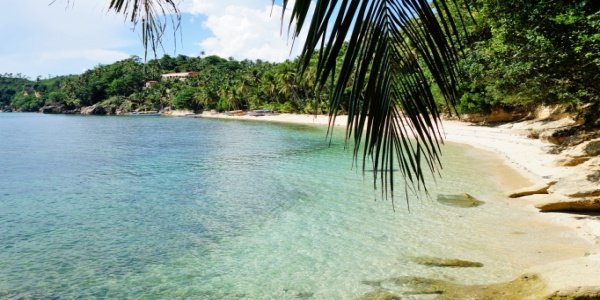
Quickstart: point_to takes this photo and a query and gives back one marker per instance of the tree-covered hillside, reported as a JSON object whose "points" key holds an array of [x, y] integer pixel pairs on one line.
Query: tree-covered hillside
{"points": [[531, 52], [513, 54], [130, 84]]}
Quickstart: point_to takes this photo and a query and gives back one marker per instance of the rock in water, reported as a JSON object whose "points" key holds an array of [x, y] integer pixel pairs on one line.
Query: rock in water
{"points": [[447, 262], [528, 286], [459, 200], [380, 295]]}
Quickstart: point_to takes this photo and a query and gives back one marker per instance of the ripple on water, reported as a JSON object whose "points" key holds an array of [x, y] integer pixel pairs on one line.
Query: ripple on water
{"points": [[118, 207]]}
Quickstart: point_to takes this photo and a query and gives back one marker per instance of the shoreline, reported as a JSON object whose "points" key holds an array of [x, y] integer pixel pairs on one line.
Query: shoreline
{"points": [[528, 158]]}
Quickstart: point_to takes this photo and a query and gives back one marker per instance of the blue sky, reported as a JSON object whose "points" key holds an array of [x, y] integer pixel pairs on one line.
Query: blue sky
{"points": [[69, 37]]}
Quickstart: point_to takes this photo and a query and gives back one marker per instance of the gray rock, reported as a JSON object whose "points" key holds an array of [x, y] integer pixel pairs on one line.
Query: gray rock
{"points": [[581, 183], [52, 109], [93, 110], [592, 148], [559, 135]]}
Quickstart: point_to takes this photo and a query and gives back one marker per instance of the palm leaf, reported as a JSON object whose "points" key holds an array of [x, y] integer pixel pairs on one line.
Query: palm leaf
{"points": [[393, 120], [154, 15]]}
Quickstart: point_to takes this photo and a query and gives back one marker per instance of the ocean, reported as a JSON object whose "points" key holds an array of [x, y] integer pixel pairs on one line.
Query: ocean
{"points": [[166, 208]]}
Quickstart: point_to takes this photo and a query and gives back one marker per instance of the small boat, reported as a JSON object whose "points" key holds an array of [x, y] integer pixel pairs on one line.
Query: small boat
{"points": [[260, 112], [145, 113]]}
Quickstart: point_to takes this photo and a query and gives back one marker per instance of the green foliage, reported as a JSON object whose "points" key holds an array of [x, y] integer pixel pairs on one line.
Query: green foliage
{"points": [[531, 52], [185, 98], [10, 86], [514, 53], [29, 102]]}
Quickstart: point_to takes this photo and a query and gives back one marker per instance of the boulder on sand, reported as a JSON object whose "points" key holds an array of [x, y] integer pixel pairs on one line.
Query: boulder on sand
{"points": [[583, 182], [570, 204], [541, 188]]}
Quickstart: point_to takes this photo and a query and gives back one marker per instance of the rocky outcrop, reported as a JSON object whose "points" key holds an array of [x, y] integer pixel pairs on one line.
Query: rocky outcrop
{"points": [[592, 148], [498, 115], [446, 262], [560, 135], [52, 109], [580, 154], [93, 110], [569, 204], [541, 188], [583, 182], [579, 190]]}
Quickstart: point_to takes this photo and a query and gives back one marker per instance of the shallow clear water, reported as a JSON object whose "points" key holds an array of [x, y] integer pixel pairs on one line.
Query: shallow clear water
{"points": [[138, 207]]}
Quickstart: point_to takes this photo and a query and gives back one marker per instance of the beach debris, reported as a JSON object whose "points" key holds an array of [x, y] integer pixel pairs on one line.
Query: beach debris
{"points": [[459, 200], [541, 188], [446, 262]]}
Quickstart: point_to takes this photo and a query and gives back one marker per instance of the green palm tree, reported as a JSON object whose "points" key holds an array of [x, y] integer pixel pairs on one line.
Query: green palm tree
{"points": [[392, 46]]}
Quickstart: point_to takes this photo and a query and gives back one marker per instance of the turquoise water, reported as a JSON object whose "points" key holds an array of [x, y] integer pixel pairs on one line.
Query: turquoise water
{"points": [[154, 207]]}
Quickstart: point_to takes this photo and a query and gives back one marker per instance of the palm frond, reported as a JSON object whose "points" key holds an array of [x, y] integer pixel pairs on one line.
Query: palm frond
{"points": [[393, 120], [155, 17]]}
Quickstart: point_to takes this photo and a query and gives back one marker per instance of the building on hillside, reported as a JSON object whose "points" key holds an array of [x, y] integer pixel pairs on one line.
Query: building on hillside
{"points": [[180, 76], [150, 83]]}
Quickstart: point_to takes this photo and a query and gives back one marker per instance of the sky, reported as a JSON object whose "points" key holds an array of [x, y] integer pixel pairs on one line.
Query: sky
{"points": [[41, 38]]}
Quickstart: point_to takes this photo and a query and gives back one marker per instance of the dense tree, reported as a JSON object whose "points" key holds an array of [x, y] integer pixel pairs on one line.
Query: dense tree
{"points": [[531, 52]]}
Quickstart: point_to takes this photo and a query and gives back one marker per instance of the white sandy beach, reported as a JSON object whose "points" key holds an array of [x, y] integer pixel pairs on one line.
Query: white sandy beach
{"points": [[531, 159]]}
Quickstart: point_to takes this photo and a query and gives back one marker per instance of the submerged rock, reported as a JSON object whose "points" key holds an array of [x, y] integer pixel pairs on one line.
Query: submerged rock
{"points": [[528, 286], [379, 295], [459, 200], [305, 295], [447, 262], [373, 283], [582, 183]]}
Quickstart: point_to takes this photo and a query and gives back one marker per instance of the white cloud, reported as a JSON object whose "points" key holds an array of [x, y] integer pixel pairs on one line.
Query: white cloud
{"points": [[65, 37], [245, 29]]}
